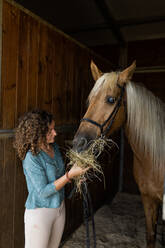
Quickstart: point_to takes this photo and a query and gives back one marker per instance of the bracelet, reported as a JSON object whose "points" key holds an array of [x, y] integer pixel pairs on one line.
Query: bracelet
{"points": [[67, 177]]}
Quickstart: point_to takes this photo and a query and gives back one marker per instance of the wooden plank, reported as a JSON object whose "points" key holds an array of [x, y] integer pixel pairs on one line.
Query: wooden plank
{"points": [[66, 94], [150, 69], [34, 27], [7, 172], [86, 84], [3, 220], [20, 189], [147, 53], [23, 64], [9, 62], [42, 65], [62, 94], [57, 87], [69, 70], [50, 71], [81, 84]]}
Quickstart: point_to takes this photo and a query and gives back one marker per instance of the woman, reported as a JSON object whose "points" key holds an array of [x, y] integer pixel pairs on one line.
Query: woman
{"points": [[45, 177]]}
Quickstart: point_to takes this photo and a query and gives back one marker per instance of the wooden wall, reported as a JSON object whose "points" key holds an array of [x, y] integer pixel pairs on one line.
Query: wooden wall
{"points": [[41, 67]]}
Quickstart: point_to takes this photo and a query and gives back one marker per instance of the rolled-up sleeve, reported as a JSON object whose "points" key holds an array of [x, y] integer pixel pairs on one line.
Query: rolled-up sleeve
{"points": [[36, 174]]}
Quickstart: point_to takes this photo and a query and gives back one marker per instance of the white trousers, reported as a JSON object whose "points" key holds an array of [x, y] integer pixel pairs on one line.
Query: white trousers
{"points": [[44, 227]]}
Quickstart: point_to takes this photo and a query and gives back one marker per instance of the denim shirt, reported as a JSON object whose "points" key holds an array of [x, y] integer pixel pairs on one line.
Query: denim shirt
{"points": [[41, 171]]}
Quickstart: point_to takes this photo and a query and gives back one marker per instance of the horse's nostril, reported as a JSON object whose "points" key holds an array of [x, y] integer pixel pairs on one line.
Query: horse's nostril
{"points": [[80, 144], [83, 142]]}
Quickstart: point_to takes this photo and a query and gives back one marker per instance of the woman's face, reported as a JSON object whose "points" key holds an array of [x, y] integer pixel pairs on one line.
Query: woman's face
{"points": [[51, 134]]}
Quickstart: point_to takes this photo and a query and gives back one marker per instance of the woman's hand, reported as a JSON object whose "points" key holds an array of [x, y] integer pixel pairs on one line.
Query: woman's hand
{"points": [[76, 171]]}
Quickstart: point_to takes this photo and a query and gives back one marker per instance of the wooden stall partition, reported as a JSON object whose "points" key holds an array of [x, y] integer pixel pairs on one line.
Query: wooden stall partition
{"points": [[41, 67]]}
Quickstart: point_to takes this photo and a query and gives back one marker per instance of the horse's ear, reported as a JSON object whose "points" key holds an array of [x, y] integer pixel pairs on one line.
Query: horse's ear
{"points": [[96, 73], [127, 74]]}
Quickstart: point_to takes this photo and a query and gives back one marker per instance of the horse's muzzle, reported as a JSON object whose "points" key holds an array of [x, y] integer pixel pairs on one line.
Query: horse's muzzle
{"points": [[81, 142]]}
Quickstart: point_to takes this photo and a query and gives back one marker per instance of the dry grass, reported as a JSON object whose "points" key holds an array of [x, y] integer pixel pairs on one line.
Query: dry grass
{"points": [[88, 158]]}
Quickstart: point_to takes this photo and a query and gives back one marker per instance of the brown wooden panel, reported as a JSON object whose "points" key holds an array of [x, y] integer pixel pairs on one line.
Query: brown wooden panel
{"points": [[46, 65], [68, 80], [78, 84], [57, 86], [42, 65], [19, 205], [33, 66], [147, 52], [23, 64], [7, 192], [3, 220], [50, 71], [9, 64], [85, 83], [66, 74]]}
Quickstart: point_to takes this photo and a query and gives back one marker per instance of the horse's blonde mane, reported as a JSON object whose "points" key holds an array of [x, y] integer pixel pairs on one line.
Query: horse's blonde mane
{"points": [[146, 123]]}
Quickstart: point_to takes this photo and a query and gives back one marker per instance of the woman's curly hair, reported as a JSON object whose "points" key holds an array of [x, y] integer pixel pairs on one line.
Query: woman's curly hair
{"points": [[31, 132]]}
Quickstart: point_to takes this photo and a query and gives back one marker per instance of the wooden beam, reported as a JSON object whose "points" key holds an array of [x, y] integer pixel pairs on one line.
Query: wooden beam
{"points": [[120, 24], [103, 8], [142, 21], [150, 69]]}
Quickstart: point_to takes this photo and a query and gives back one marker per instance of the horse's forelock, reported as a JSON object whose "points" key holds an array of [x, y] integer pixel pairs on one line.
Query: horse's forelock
{"points": [[108, 80]]}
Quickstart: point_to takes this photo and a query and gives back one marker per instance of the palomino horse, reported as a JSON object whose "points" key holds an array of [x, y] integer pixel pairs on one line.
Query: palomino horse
{"points": [[115, 101]]}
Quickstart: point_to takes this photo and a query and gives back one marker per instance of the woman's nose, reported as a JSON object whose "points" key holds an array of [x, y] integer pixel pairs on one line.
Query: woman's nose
{"points": [[54, 132]]}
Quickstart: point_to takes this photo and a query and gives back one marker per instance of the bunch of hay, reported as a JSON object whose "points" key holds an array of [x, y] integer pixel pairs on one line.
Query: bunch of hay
{"points": [[88, 158]]}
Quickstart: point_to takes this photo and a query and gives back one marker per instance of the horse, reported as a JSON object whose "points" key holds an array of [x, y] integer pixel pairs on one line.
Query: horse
{"points": [[116, 101]]}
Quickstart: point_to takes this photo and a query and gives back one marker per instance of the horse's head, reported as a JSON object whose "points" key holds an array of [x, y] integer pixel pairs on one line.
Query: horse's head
{"points": [[106, 111]]}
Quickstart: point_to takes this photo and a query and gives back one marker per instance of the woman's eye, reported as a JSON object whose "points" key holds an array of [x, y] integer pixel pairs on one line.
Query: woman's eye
{"points": [[111, 100]]}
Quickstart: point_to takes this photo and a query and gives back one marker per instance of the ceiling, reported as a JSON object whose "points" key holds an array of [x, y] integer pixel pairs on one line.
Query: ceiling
{"points": [[103, 22]]}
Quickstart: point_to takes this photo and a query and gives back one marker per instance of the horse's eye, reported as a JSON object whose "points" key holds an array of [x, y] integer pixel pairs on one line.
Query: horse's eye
{"points": [[111, 100]]}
